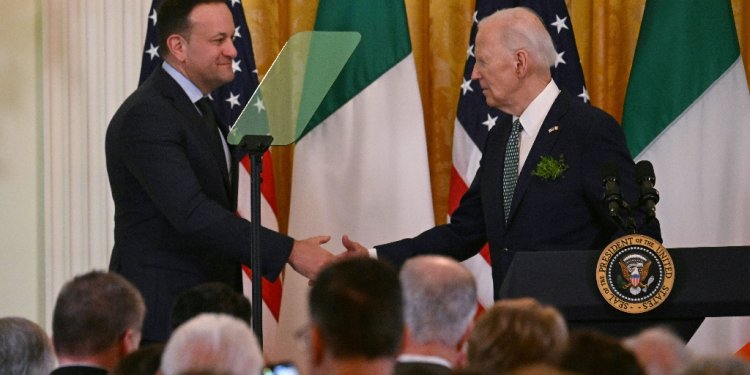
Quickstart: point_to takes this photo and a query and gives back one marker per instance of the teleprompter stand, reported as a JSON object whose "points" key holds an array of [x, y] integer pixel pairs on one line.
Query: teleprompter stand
{"points": [[255, 146]]}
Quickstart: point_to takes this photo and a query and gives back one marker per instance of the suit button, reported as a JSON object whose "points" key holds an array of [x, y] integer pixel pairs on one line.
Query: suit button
{"points": [[505, 249]]}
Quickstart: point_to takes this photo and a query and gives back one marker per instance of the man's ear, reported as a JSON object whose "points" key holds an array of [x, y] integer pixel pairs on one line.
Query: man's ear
{"points": [[522, 63], [177, 47], [317, 345], [129, 341]]}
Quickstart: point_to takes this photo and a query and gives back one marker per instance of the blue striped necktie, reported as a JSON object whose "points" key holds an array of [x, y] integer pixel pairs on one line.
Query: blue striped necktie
{"points": [[510, 171]]}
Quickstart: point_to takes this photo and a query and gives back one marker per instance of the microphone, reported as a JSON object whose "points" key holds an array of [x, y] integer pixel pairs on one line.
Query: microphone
{"points": [[644, 176], [612, 195]]}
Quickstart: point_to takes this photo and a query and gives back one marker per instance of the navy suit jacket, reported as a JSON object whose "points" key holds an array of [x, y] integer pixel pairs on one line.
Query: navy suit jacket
{"points": [[175, 221], [563, 214], [420, 368], [79, 370]]}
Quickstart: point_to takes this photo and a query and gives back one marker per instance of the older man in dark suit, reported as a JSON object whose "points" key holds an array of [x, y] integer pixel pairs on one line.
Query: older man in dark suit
{"points": [[539, 185], [170, 170]]}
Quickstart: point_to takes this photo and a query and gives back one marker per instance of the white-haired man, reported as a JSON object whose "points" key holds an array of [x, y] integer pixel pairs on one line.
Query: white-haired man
{"points": [[214, 343], [440, 300]]}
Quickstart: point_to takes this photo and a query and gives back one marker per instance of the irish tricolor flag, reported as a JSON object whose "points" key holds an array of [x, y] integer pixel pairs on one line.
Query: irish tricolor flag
{"points": [[361, 166], [687, 110]]}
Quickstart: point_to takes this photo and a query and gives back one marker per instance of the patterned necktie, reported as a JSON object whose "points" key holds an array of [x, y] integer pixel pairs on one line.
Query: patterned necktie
{"points": [[510, 172], [212, 125]]}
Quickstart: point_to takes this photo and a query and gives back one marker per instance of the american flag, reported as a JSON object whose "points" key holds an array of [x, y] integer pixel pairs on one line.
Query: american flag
{"points": [[474, 118], [229, 100]]}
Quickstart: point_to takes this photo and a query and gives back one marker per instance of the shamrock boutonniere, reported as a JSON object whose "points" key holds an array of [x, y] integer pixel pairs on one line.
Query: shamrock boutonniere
{"points": [[549, 168]]}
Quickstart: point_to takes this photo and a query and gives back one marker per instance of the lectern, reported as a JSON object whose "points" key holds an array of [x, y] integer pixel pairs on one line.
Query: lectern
{"points": [[709, 282]]}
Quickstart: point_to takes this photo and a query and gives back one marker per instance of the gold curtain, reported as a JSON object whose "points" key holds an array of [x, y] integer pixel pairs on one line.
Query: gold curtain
{"points": [[606, 34]]}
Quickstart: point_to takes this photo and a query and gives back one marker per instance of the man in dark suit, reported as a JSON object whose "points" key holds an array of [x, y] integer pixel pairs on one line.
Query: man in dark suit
{"points": [[172, 173], [96, 322], [356, 318], [555, 159], [440, 298]]}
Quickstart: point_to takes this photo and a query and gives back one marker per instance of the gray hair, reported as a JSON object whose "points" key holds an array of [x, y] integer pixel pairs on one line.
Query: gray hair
{"points": [[212, 342], [24, 348], [524, 29], [659, 350], [440, 299]]}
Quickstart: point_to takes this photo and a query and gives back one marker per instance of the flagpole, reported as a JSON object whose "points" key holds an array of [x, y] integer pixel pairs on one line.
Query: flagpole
{"points": [[256, 146]]}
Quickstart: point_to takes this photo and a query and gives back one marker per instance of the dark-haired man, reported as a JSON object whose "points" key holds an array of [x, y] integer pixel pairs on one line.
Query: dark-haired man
{"points": [[356, 317], [209, 298], [171, 173], [96, 322]]}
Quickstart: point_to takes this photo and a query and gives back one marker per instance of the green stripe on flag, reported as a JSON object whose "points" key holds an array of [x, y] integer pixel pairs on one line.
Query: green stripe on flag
{"points": [[385, 42], [683, 47]]}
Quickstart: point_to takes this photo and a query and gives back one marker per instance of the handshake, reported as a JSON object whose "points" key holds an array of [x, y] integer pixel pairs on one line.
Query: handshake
{"points": [[308, 256]]}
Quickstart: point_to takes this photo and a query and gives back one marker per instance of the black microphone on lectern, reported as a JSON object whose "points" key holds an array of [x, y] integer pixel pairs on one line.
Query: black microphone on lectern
{"points": [[646, 179], [612, 195]]}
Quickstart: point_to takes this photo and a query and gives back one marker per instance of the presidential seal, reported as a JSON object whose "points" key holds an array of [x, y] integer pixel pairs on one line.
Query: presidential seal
{"points": [[635, 274]]}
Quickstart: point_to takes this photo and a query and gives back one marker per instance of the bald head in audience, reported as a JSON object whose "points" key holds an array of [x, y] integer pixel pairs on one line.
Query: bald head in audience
{"points": [[216, 343], [440, 301]]}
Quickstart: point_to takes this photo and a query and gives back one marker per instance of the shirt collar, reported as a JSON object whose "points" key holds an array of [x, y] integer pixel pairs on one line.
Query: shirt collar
{"points": [[534, 115], [192, 91], [424, 359]]}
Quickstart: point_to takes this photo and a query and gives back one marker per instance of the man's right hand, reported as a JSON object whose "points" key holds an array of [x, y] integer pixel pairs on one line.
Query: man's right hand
{"points": [[353, 248], [308, 257]]}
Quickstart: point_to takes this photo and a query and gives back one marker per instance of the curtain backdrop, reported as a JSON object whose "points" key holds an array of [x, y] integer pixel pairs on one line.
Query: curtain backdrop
{"points": [[606, 34]]}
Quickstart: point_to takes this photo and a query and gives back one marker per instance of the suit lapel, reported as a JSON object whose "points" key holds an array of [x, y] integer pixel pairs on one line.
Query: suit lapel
{"points": [[543, 144], [172, 90]]}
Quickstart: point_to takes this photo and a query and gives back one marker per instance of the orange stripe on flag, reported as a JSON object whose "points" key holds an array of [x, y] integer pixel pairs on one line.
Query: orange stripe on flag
{"points": [[744, 353]]}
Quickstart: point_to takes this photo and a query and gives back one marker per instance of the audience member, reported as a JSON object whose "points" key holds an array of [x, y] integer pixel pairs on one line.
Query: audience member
{"points": [[440, 300], [594, 353], [97, 320], [24, 348], [539, 369], [517, 332], [659, 351], [727, 365], [209, 298], [357, 322], [213, 343], [144, 361]]}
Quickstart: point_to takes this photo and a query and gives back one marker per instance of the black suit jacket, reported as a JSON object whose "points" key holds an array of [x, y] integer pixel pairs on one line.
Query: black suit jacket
{"points": [[175, 221], [420, 368], [79, 370], [563, 214]]}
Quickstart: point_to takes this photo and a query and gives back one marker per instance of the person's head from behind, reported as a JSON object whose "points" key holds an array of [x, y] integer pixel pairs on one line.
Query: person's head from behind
{"points": [[659, 350], [209, 298], [517, 332], [594, 353], [514, 53], [97, 315], [24, 348], [356, 311], [215, 343], [440, 300], [144, 361], [195, 37]]}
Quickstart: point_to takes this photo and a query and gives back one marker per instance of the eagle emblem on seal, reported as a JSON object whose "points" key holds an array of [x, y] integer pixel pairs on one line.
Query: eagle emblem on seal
{"points": [[634, 269]]}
